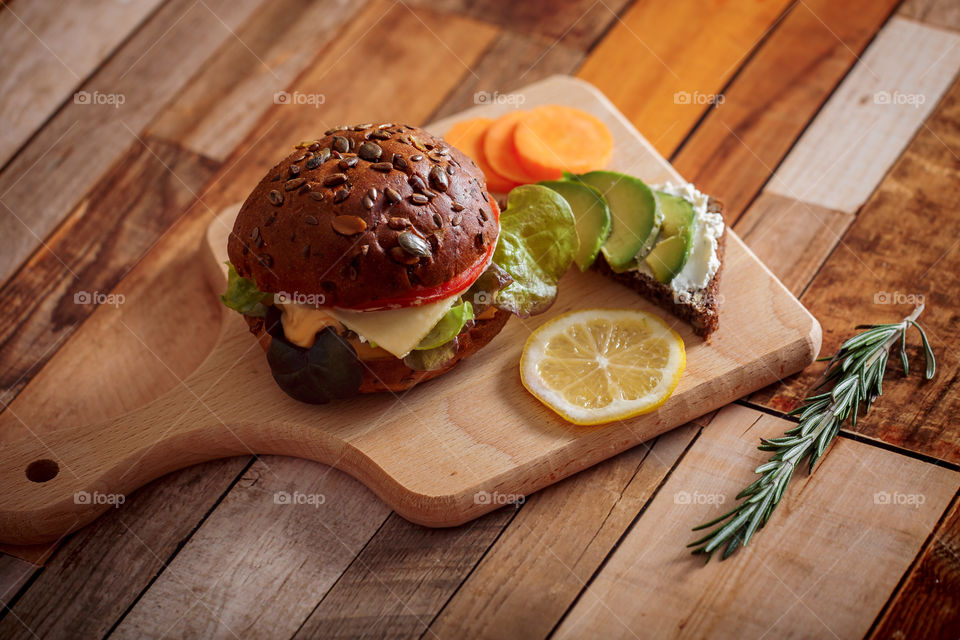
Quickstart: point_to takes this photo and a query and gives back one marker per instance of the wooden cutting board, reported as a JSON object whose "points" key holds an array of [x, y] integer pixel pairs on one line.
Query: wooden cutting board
{"points": [[441, 454]]}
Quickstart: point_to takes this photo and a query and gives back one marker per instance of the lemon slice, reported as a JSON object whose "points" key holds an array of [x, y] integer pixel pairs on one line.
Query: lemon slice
{"points": [[599, 365]]}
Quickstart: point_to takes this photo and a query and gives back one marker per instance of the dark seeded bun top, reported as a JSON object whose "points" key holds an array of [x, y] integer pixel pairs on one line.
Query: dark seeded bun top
{"points": [[362, 214]]}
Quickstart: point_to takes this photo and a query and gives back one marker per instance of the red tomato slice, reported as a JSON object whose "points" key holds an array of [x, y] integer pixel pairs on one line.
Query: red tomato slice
{"points": [[425, 295]]}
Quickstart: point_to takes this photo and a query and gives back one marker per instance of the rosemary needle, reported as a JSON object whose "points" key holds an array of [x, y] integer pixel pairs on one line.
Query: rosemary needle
{"points": [[856, 374]]}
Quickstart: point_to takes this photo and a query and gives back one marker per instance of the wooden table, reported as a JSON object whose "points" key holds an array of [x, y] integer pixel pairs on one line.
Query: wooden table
{"points": [[832, 132]]}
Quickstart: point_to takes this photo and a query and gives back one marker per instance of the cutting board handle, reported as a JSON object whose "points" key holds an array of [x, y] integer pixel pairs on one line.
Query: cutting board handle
{"points": [[58, 481]]}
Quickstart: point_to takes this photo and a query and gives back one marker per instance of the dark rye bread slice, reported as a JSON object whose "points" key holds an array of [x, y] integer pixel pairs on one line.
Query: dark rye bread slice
{"points": [[700, 309]]}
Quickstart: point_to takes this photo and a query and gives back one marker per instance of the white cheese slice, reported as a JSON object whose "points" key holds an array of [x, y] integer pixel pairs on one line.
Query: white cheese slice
{"points": [[396, 330]]}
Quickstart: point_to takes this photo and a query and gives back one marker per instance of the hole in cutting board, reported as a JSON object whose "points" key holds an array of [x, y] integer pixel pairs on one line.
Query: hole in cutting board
{"points": [[42, 470]]}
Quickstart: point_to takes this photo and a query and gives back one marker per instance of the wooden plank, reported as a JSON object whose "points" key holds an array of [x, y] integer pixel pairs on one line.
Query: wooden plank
{"points": [[303, 524], [241, 81], [927, 603], [402, 578], [143, 197], [902, 246], [484, 606], [184, 352], [939, 13], [514, 60], [653, 40], [545, 557], [48, 54], [525, 449], [791, 238], [576, 24], [871, 117], [245, 167], [823, 566], [99, 571], [113, 226], [14, 573], [766, 107], [72, 152]]}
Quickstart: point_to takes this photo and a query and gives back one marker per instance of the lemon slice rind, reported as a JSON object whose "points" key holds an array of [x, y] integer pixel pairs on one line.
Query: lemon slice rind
{"points": [[564, 355]]}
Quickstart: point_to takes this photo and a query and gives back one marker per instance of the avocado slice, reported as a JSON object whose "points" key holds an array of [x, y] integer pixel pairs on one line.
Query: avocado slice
{"points": [[665, 258], [670, 255], [635, 212], [592, 217]]}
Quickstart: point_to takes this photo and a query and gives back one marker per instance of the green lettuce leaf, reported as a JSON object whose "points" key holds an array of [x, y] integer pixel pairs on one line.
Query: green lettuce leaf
{"points": [[538, 241], [433, 359], [448, 327], [243, 295], [484, 291]]}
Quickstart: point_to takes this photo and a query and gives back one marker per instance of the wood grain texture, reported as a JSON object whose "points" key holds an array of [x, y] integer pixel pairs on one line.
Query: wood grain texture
{"points": [[100, 571], [14, 573], [876, 275], [61, 163], [245, 78], [653, 39], [300, 530], [126, 341], [165, 353], [927, 605], [823, 566], [863, 128], [545, 557], [48, 54], [773, 97], [473, 609], [576, 24], [514, 60], [939, 13], [527, 448], [112, 227], [792, 238], [402, 578]]}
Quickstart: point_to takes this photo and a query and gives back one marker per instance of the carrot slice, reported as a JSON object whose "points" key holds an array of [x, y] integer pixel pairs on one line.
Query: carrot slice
{"points": [[467, 135], [499, 150], [554, 138]]}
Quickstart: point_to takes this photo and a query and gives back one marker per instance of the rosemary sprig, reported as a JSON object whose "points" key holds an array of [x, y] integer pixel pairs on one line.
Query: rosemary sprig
{"points": [[856, 373]]}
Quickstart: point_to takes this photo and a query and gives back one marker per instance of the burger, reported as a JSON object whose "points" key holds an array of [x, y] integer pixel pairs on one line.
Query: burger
{"points": [[364, 262]]}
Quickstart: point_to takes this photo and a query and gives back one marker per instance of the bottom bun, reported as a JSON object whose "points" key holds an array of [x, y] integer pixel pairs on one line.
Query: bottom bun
{"points": [[392, 374]]}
